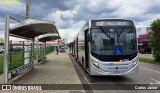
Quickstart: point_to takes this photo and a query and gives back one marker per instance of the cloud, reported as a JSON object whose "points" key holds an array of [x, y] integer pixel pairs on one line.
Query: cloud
{"points": [[70, 15], [146, 23], [2, 29], [67, 28], [74, 18], [130, 9], [65, 23], [39, 8], [1, 33], [1, 26], [68, 33], [13, 9], [59, 4]]}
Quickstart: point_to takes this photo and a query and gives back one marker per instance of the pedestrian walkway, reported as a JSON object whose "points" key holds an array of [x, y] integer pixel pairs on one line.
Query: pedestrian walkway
{"points": [[58, 69]]}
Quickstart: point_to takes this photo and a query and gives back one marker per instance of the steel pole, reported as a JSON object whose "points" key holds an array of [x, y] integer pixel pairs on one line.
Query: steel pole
{"points": [[33, 51], [6, 48], [45, 50], [23, 52], [10, 51], [27, 9], [37, 51], [27, 41]]}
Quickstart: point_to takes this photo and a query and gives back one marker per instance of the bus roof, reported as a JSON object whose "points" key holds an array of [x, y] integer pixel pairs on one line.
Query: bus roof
{"points": [[112, 19]]}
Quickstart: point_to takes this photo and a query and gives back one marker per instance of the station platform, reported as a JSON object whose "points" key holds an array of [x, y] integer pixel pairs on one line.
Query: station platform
{"points": [[57, 69]]}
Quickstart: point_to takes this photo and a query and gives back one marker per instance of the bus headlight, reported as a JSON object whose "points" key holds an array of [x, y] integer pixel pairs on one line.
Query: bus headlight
{"points": [[95, 63]]}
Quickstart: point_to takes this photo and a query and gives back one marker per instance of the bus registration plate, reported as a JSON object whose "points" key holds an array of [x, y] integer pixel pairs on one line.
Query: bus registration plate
{"points": [[117, 73]]}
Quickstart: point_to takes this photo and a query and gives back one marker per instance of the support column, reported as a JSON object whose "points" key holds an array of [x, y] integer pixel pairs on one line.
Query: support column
{"points": [[27, 41], [10, 51], [6, 48], [45, 51], [26, 54], [37, 51], [23, 52], [33, 51]]}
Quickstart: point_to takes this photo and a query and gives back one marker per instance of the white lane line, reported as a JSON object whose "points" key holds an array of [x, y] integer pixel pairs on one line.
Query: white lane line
{"points": [[150, 69], [157, 82], [82, 73], [85, 77]]}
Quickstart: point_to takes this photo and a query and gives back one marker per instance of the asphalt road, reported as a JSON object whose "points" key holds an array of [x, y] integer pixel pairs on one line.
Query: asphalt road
{"points": [[148, 74]]}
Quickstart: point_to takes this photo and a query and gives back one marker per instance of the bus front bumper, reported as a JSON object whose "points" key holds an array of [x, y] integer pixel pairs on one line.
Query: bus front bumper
{"points": [[98, 72]]}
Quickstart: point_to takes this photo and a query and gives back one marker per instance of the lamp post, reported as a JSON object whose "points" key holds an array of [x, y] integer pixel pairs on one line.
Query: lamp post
{"points": [[27, 9], [26, 55]]}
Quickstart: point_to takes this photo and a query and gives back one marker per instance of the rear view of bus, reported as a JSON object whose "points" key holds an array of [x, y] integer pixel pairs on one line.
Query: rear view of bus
{"points": [[112, 47]]}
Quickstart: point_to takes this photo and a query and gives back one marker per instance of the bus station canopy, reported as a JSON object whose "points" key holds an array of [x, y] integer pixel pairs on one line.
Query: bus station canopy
{"points": [[49, 37], [31, 28]]}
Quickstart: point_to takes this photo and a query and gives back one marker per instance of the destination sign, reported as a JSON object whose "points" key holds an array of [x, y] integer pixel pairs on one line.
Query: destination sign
{"points": [[112, 23]]}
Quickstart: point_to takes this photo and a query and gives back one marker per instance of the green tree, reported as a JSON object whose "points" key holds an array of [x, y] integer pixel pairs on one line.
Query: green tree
{"points": [[155, 39], [1, 43]]}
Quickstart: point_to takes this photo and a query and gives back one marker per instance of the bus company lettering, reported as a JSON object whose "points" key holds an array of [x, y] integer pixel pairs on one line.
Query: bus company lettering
{"points": [[34, 88], [26, 87]]}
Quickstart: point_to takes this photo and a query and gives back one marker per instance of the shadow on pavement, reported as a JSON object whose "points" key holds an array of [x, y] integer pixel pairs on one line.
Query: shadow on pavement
{"points": [[110, 79]]}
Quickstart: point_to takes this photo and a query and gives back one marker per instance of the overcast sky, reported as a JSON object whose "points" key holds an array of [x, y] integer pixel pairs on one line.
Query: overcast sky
{"points": [[71, 15]]}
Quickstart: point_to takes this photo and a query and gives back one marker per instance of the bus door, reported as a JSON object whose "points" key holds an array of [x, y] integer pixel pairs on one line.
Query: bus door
{"points": [[74, 50], [86, 50], [77, 48]]}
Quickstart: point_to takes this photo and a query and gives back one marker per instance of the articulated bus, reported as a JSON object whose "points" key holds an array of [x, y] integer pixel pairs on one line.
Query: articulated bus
{"points": [[107, 47]]}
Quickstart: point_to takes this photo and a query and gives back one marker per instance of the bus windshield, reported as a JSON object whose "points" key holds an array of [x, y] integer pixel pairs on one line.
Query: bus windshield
{"points": [[113, 41]]}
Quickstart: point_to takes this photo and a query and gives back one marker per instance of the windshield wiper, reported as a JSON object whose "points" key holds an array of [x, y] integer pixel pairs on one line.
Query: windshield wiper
{"points": [[121, 31], [104, 31]]}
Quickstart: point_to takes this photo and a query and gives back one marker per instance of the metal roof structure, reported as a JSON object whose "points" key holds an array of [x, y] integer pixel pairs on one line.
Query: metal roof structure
{"points": [[49, 37], [28, 29], [31, 28]]}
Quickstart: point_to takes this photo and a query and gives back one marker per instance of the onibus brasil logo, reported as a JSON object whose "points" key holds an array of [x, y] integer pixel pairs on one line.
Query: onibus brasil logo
{"points": [[11, 2]]}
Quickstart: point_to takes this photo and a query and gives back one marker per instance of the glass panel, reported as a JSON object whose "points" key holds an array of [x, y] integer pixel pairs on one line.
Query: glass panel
{"points": [[106, 41]]}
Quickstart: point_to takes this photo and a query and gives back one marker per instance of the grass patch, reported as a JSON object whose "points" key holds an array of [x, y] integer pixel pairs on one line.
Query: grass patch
{"points": [[16, 61], [16, 57], [13, 65], [149, 60], [1, 63]]}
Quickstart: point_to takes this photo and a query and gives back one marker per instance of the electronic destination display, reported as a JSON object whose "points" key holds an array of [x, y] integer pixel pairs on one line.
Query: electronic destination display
{"points": [[95, 23]]}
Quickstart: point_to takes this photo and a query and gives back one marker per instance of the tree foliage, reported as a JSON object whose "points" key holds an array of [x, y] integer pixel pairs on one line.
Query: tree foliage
{"points": [[155, 39], [1, 43]]}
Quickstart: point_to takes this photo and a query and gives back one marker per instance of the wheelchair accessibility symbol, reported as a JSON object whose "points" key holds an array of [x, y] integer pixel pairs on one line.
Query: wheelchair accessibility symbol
{"points": [[118, 51]]}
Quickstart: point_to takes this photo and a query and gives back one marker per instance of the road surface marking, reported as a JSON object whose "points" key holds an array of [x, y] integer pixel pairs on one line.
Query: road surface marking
{"points": [[82, 73], [157, 82], [84, 77], [150, 69]]}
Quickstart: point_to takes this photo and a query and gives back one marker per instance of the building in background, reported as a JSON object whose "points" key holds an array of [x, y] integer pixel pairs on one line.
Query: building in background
{"points": [[143, 35], [1, 40]]}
